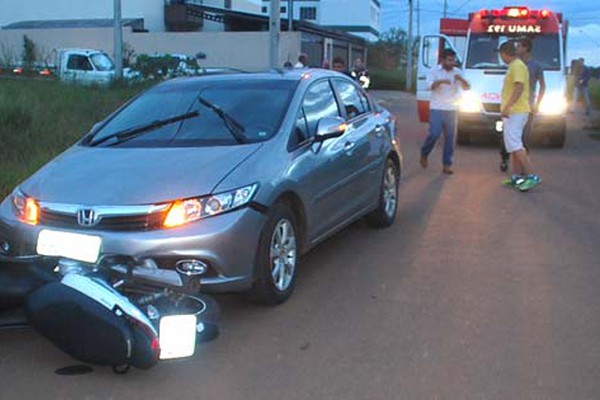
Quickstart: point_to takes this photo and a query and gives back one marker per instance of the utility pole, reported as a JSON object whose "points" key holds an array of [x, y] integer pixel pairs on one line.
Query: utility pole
{"points": [[118, 40], [409, 48], [290, 15], [274, 29], [418, 18], [445, 8]]}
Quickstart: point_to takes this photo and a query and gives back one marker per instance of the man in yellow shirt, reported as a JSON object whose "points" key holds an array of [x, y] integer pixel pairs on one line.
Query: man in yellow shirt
{"points": [[515, 110]]}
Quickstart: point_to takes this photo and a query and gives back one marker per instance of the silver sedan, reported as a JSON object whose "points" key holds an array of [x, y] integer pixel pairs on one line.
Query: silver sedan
{"points": [[230, 177]]}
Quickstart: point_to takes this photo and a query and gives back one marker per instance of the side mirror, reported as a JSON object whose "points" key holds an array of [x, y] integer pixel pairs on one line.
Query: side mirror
{"points": [[329, 128]]}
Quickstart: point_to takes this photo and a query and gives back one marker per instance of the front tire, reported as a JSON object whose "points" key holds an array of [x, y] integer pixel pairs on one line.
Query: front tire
{"points": [[385, 214], [277, 258]]}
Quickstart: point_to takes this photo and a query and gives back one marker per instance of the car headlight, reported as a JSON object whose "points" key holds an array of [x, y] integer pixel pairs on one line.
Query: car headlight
{"points": [[182, 212], [553, 104], [26, 208], [469, 103]]}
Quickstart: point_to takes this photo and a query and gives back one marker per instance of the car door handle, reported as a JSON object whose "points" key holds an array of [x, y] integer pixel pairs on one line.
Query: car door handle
{"points": [[379, 130], [349, 146]]}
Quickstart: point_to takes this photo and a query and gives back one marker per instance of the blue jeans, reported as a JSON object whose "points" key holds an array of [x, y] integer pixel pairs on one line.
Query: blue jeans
{"points": [[441, 121], [585, 90]]}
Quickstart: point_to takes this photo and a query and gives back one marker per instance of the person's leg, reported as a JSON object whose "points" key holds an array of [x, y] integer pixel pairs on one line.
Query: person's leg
{"points": [[586, 98], [449, 134], [435, 130], [575, 99], [527, 132]]}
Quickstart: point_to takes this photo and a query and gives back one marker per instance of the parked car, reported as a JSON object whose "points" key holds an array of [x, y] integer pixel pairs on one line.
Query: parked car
{"points": [[231, 176]]}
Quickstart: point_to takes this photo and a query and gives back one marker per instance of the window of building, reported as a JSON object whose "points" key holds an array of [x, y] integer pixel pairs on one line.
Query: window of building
{"points": [[264, 9], [283, 10], [309, 13]]}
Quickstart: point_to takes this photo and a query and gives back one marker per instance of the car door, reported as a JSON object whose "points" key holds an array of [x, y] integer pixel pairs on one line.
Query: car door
{"points": [[363, 144], [78, 68], [322, 170]]}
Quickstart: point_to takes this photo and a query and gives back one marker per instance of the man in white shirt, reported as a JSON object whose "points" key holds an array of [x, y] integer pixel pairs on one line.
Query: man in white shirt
{"points": [[444, 82], [302, 61]]}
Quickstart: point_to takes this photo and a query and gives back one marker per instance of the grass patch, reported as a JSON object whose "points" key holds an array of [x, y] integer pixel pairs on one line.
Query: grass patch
{"points": [[39, 120]]}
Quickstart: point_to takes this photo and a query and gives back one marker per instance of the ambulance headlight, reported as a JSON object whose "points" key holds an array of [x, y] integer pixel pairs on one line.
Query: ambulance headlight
{"points": [[553, 104], [469, 103]]}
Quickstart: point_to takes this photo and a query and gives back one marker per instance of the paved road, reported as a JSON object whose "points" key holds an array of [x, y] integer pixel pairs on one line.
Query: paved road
{"points": [[478, 292]]}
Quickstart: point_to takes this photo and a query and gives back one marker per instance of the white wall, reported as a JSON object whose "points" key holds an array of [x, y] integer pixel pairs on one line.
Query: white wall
{"points": [[24, 10], [244, 50]]}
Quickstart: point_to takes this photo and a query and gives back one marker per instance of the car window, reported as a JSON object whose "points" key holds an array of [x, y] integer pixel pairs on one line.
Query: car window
{"points": [[319, 102], [79, 62], [300, 133], [102, 62], [259, 106], [351, 98]]}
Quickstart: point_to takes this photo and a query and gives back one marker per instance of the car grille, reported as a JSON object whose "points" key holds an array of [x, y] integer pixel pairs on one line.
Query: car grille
{"points": [[143, 222], [492, 107]]}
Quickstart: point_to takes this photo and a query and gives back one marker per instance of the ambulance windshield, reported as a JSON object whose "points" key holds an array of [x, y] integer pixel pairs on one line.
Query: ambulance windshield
{"points": [[483, 51]]}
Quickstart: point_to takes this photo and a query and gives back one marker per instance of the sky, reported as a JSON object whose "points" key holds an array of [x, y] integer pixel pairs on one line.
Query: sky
{"points": [[583, 16]]}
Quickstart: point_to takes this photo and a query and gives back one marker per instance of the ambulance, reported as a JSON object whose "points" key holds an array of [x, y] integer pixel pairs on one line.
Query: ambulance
{"points": [[476, 42]]}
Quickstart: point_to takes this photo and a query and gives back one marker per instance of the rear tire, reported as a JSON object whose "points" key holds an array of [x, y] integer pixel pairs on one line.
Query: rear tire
{"points": [[277, 257], [385, 214]]}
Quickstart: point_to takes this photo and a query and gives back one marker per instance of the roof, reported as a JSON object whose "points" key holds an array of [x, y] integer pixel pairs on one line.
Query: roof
{"points": [[136, 23], [299, 25]]}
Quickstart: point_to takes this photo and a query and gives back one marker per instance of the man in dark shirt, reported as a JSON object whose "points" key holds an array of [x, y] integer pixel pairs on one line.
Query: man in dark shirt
{"points": [[536, 75], [582, 86]]}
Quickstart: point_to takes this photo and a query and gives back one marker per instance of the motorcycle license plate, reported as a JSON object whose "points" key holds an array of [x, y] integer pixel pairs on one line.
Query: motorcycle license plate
{"points": [[177, 336], [75, 246]]}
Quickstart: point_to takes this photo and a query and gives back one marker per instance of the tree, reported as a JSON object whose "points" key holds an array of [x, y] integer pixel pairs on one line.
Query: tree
{"points": [[29, 56]]}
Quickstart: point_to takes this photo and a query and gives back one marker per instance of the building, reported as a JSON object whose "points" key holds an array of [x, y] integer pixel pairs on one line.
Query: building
{"points": [[358, 17], [152, 12], [231, 33]]}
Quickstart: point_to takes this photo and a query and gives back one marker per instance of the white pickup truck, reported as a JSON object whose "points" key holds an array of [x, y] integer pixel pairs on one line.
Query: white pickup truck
{"points": [[85, 66]]}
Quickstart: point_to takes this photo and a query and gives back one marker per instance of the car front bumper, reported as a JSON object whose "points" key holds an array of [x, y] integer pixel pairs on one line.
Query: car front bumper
{"points": [[227, 243]]}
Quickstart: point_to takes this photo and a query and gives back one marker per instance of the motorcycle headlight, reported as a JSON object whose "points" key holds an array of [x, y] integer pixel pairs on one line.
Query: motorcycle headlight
{"points": [[553, 104], [26, 208], [182, 212], [469, 103]]}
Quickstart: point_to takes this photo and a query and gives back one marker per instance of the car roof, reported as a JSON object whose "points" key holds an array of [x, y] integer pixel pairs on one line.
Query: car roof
{"points": [[296, 74]]}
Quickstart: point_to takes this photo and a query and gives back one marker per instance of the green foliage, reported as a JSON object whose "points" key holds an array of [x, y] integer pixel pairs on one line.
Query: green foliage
{"points": [[387, 80], [29, 55], [165, 66], [39, 120]]}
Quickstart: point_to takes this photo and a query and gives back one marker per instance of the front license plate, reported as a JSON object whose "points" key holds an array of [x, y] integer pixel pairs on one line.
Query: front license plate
{"points": [[177, 336], [75, 246]]}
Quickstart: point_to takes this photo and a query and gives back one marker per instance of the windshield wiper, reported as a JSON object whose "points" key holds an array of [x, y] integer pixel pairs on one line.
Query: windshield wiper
{"points": [[236, 128], [130, 133]]}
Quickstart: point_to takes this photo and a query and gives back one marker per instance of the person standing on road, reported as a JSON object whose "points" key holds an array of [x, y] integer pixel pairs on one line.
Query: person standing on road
{"points": [[444, 82], [582, 80], [339, 65], [536, 75], [302, 61], [361, 74], [515, 109]]}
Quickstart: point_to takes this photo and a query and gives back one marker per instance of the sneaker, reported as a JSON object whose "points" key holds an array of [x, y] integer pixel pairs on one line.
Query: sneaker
{"points": [[514, 181], [447, 170], [423, 162], [529, 183], [503, 165]]}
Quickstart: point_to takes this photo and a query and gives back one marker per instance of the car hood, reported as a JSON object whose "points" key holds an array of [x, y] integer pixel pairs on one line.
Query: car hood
{"points": [[130, 176]]}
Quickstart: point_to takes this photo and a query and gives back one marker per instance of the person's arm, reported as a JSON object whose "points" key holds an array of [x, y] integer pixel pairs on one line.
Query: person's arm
{"points": [[516, 94], [433, 83], [542, 82], [463, 82]]}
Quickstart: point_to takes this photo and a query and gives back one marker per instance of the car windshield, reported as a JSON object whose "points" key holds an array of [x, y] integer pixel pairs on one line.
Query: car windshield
{"points": [[102, 62], [258, 106], [483, 51]]}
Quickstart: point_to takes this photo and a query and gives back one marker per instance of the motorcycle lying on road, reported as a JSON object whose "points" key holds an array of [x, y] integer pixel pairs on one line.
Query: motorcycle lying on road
{"points": [[118, 312]]}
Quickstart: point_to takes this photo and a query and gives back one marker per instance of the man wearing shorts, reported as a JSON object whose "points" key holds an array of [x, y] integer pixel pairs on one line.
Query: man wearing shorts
{"points": [[515, 109]]}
